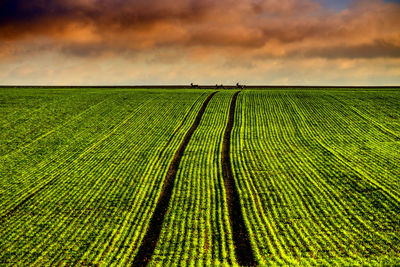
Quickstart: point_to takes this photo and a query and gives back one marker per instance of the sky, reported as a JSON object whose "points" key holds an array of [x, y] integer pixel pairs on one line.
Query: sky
{"points": [[155, 42]]}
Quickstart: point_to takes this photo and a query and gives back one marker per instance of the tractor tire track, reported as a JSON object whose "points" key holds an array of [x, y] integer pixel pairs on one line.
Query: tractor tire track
{"points": [[161, 154], [240, 236], [153, 231]]}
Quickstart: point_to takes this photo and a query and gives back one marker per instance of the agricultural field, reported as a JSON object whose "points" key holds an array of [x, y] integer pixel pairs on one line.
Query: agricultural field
{"points": [[116, 177]]}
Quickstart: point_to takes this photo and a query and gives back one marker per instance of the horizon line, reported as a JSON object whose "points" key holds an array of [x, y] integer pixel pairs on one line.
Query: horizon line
{"points": [[199, 86]]}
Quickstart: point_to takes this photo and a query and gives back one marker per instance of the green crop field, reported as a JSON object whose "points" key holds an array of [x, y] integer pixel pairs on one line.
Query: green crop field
{"points": [[114, 176]]}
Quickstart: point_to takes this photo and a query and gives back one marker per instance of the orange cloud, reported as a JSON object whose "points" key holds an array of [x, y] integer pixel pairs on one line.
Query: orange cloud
{"points": [[250, 28]]}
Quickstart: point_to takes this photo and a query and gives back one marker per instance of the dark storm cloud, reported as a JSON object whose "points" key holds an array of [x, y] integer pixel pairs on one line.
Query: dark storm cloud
{"points": [[123, 13], [269, 28], [19, 18], [374, 50]]}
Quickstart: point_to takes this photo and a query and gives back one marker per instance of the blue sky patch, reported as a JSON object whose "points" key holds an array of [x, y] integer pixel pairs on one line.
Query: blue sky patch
{"points": [[342, 4]]}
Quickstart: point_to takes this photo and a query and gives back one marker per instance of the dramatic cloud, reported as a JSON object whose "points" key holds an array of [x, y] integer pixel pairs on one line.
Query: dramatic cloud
{"points": [[199, 30]]}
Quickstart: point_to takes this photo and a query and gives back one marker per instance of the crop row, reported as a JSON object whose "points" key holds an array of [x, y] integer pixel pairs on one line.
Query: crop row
{"points": [[47, 109], [316, 171], [196, 228], [381, 106], [99, 202], [353, 137], [302, 199]]}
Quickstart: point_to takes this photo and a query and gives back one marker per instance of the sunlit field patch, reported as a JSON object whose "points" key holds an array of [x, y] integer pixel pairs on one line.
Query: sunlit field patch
{"points": [[317, 173]]}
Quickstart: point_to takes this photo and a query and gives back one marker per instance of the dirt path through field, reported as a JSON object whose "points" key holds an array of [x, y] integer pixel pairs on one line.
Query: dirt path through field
{"points": [[153, 232], [240, 235]]}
